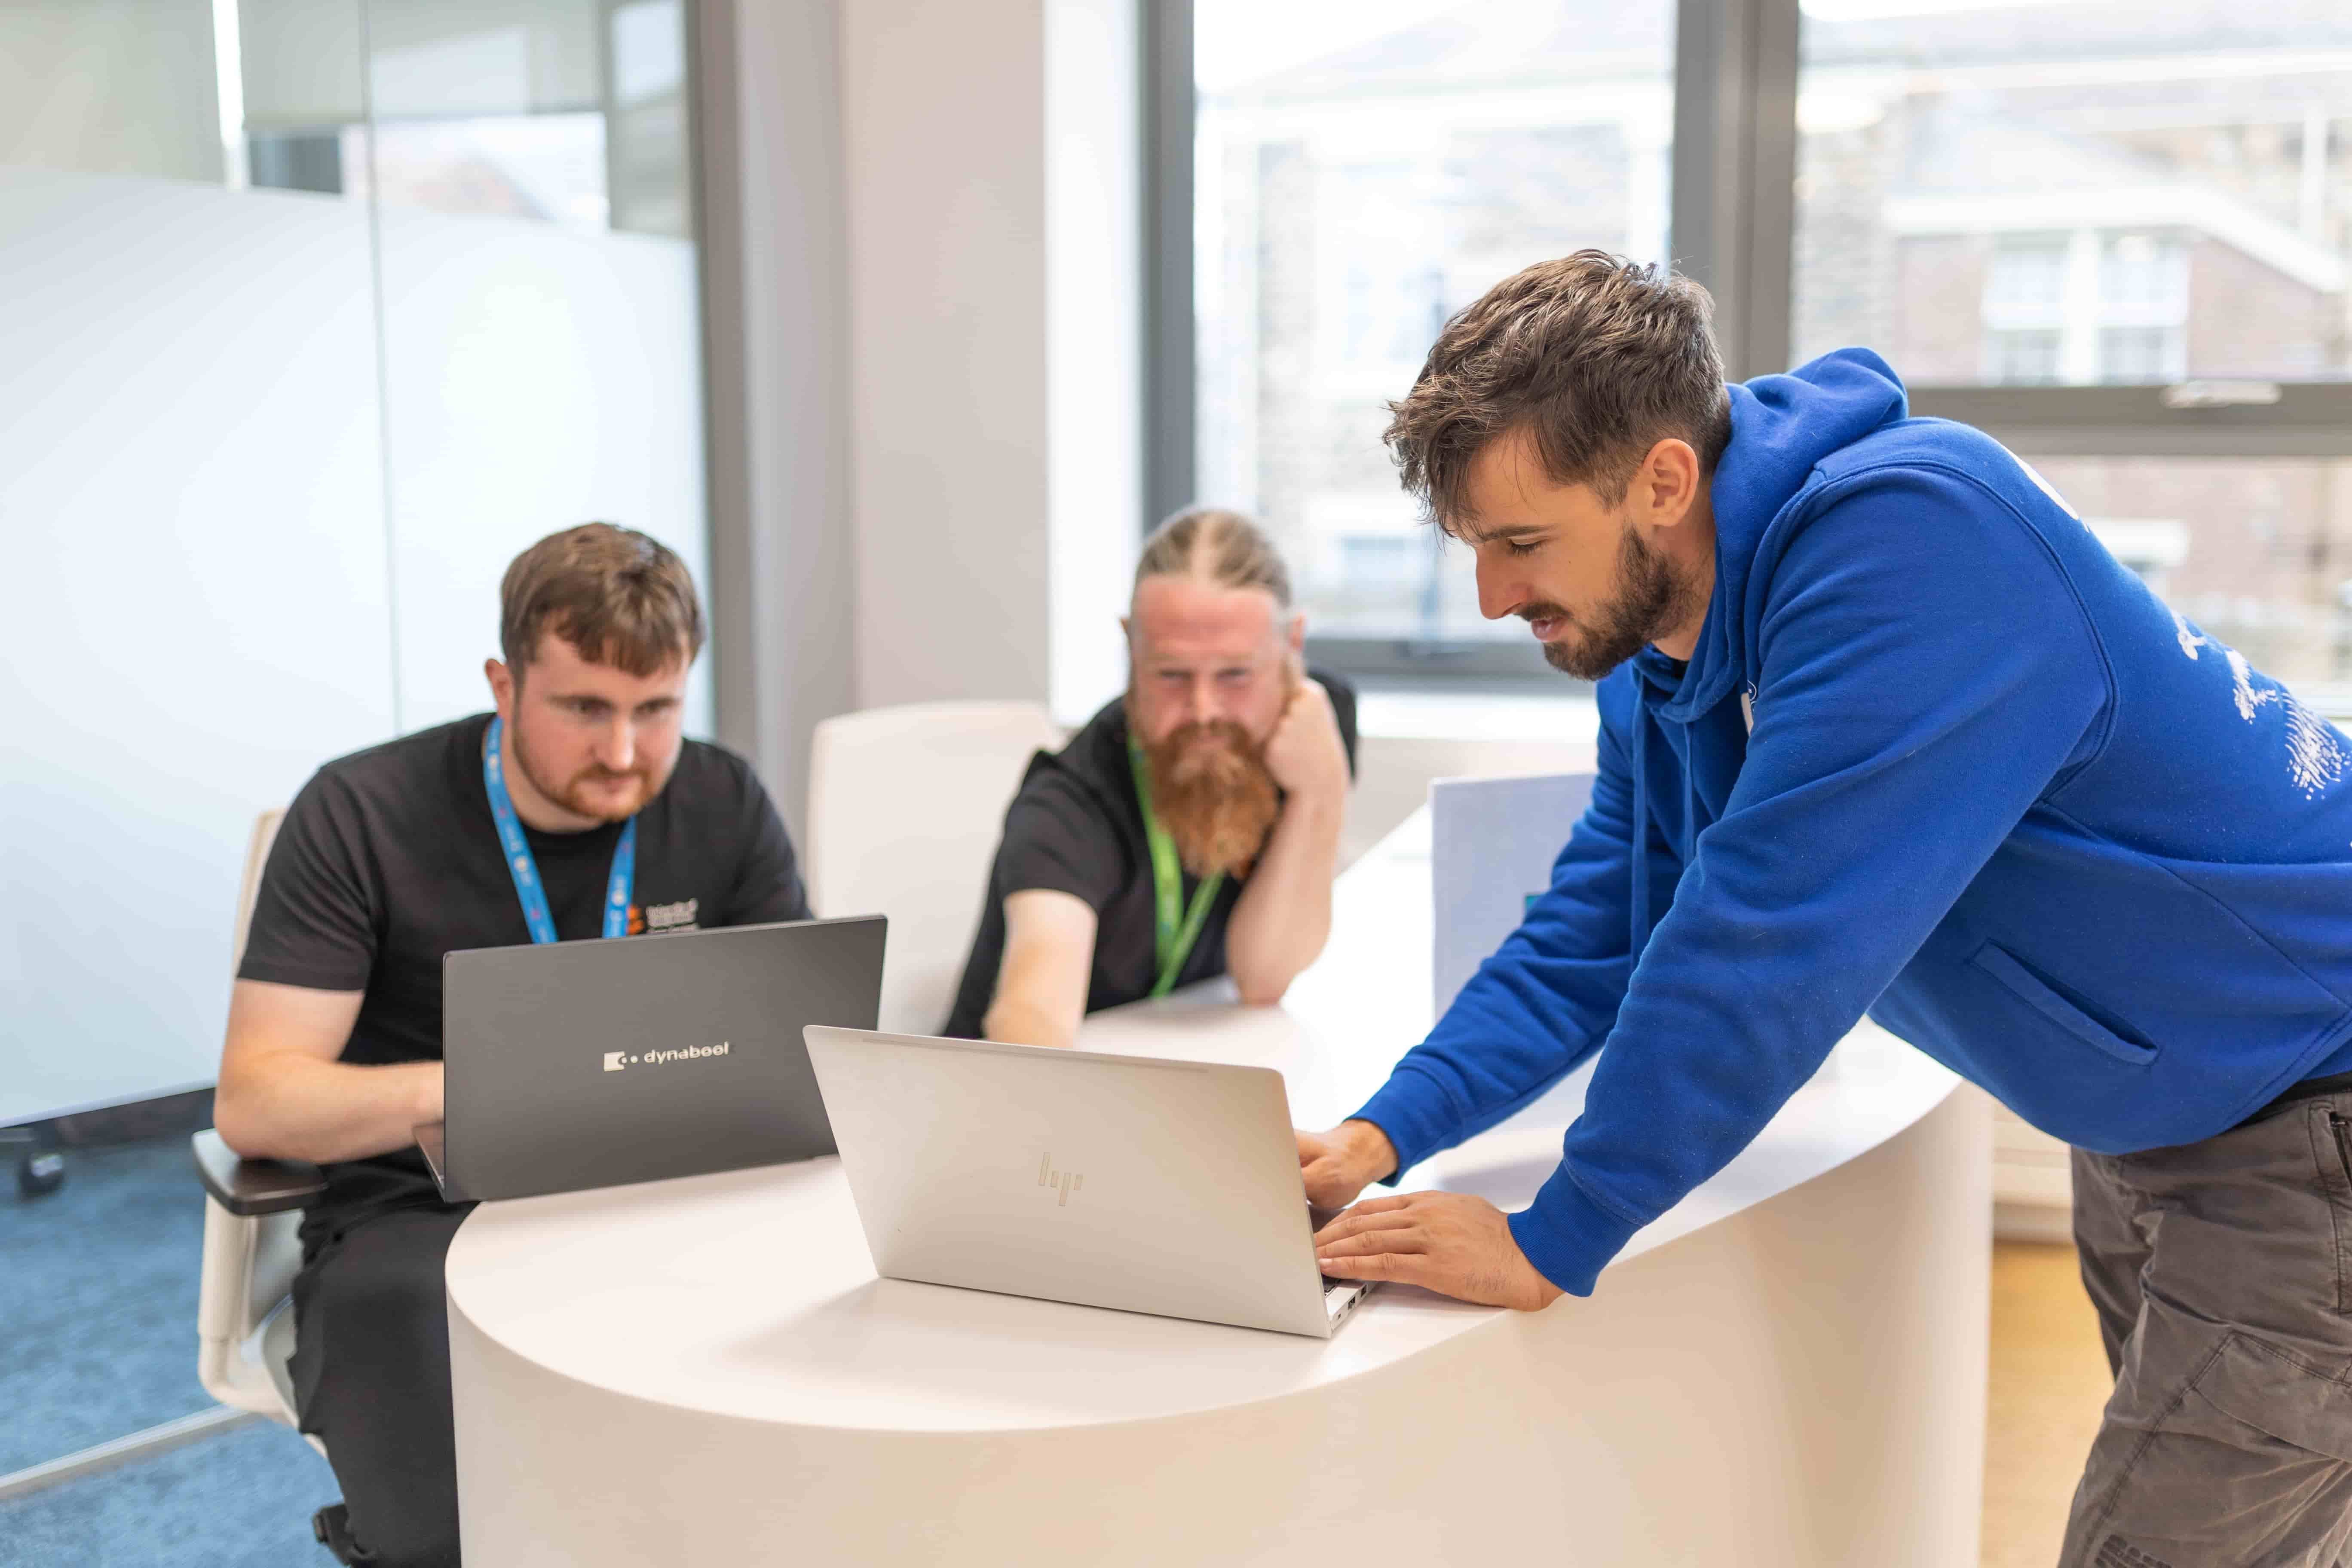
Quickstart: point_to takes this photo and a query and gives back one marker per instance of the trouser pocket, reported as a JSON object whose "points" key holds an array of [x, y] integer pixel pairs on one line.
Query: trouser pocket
{"points": [[2267, 1389], [2332, 1149]]}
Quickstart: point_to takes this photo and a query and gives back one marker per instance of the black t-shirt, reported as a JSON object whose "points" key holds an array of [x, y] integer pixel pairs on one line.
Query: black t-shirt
{"points": [[1077, 828], [388, 860]]}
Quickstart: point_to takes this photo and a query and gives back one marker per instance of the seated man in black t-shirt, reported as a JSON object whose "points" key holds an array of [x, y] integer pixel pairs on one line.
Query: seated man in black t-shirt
{"points": [[1192, 827], [390, 859]]}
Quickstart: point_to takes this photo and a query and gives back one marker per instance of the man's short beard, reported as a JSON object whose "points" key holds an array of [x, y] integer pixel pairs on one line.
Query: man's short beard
{"points": [[1651, 599], [1215, 798], [570, 795]]}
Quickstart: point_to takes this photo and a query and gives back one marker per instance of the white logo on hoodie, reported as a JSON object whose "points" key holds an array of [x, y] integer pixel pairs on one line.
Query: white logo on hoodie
{"points": [[2314, 752]]}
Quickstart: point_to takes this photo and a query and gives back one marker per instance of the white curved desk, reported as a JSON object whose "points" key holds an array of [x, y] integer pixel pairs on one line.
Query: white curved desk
{"points": [[1788, 1368]]}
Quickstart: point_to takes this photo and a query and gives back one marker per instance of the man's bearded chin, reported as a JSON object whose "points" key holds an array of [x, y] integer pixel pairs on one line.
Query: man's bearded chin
{"points": [[1651, 598], [1212, 791], [573, 795]]}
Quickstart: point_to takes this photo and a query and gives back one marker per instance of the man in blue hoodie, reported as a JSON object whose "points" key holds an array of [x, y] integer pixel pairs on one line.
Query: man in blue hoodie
{"points": [[1885, 729]]}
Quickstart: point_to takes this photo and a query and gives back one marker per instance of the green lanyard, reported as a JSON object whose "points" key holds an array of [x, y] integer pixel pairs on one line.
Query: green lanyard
{"points": [[1175, 943]]}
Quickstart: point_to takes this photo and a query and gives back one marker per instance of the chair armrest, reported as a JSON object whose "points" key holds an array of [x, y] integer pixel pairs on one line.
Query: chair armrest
{"points": [[249, 1187]]}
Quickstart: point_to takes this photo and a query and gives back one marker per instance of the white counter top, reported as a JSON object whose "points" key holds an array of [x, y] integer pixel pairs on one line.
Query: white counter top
{"points": [[751, 1295]]}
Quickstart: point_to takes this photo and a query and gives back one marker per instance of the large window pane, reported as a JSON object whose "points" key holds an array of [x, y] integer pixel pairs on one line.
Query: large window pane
{"points": [[2081, 192], [1360, 174]]}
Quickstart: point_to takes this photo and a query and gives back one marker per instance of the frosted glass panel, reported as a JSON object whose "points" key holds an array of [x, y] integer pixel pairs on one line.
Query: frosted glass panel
{"points": [[111, 87], [538, 377], [258, 481], [191, 492], [439, 57]]}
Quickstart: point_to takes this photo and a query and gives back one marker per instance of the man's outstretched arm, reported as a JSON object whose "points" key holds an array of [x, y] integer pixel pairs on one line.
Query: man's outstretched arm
{"points": [[1542, 1003], [1902, 731]]}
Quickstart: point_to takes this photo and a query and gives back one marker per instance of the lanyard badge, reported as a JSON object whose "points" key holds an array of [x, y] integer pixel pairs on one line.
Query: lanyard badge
{"points": [[524, 869], [1174, 937]]}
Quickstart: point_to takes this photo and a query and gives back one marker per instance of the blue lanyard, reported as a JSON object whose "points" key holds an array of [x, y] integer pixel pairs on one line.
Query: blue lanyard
{"points": [[525, 868]]}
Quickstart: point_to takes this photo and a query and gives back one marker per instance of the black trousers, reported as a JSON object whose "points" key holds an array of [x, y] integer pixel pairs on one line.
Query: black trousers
{"points": [[372, 1380]]}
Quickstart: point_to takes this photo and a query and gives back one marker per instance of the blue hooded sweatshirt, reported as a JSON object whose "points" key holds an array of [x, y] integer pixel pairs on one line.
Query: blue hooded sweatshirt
{"points": [[1995, 793]]}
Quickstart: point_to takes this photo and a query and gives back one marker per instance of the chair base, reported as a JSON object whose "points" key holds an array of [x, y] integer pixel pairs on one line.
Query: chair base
{"points": [[332, 1526], [40, 1169]]}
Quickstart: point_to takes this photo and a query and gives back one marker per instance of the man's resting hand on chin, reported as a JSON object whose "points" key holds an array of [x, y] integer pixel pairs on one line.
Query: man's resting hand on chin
{"points": [[1451, 1243]]}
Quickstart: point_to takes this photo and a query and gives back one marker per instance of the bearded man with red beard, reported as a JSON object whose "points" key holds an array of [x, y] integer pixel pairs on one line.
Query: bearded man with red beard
{"points": [[1192, 827]]}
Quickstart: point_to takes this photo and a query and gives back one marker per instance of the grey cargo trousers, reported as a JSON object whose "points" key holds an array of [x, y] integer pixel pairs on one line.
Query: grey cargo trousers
{"points": [[2222, 1275]]}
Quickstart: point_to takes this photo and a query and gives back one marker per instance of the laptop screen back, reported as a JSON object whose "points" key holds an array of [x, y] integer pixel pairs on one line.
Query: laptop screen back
{"points": [[587, 1064], [1130, 1182]]}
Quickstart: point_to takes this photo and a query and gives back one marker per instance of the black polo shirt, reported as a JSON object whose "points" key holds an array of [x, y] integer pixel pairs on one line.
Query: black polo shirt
{"points": [[388, 860], [1076, 827]]}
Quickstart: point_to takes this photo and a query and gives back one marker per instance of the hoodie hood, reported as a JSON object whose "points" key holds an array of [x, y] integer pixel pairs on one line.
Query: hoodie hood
{"points": [[1782, 426]]}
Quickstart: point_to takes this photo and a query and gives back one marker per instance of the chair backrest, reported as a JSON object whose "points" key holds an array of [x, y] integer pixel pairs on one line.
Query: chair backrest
{"points": [[256, 856], [248, 1263], [905, 806]]}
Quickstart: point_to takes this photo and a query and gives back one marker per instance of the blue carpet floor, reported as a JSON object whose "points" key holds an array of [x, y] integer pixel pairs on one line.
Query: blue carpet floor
{"points": [[98, 1294], [240, 1499]]}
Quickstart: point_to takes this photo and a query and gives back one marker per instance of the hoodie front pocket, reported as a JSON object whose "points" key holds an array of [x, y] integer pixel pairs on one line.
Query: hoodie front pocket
{"points": [[2039, 994]]}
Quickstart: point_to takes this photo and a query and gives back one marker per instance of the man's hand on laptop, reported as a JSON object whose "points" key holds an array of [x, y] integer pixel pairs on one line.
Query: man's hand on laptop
{"points": [[1342, 1163], [1448, 1242], [1451, 1243]]}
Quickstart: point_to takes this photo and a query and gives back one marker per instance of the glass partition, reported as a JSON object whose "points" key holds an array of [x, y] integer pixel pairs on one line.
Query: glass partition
{"points": [[542, 357], [314, 312]]}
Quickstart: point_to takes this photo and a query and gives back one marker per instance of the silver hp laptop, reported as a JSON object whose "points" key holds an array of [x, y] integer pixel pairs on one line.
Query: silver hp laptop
{"points": [[588, 1064], [1130, 1182]]}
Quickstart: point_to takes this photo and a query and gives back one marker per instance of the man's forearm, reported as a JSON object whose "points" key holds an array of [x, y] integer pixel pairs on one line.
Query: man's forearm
{"points": [[1284, 917], [298, 1107], [1015, 1022]]}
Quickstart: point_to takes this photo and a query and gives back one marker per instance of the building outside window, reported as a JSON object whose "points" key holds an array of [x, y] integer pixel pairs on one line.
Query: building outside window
{"points": [[1349, 200], [2083, 199], [2099, 228]]}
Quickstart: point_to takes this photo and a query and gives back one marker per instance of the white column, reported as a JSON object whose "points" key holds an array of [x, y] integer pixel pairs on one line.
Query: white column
{"points": [[966, 337], [1094, 328], [782, 585]]}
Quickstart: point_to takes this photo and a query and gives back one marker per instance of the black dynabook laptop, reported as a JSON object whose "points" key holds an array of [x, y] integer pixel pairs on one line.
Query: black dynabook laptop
{"points": [[588, 1064]]}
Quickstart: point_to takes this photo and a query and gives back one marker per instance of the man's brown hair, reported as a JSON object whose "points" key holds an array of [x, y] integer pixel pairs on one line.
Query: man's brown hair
{"points": [[1224, 547], [1598, 358], [620, 598]]}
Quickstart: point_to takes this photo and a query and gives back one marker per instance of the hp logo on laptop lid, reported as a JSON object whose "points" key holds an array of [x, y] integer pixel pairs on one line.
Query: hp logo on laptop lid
{"points": [[1062, 1181]]}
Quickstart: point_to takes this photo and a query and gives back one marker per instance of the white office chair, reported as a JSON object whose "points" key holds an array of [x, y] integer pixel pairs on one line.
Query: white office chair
{"points": [[905, 805], [245, 1315]]}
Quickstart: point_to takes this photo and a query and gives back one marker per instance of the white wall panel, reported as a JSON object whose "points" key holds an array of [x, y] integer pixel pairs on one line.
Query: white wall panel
{"points": [[943, 142]]}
